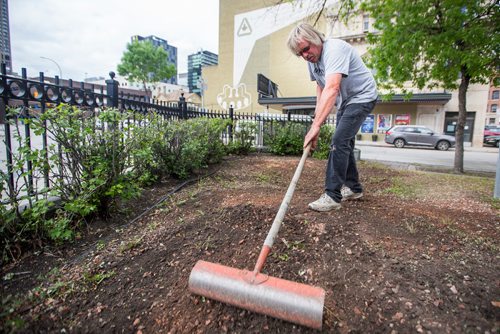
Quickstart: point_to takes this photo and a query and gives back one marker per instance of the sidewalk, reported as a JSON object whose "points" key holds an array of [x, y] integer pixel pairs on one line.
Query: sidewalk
{"points": [[485, 149]]}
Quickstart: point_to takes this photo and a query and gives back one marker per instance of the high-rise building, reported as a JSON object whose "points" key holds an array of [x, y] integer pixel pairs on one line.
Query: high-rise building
{"points": [[5, 52], [171, 50], [195, 63]]}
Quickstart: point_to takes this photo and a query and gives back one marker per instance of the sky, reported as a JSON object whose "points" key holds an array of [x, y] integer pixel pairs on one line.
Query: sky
{"points": [[87, 38]]}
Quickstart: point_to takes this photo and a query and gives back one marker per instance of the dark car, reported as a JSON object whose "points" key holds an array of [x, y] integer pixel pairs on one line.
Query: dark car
{"points": [[417, 135], [492, 141]]}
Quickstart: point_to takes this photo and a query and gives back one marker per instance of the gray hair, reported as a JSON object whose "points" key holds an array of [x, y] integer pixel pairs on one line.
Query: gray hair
{"points": [[304, 31]]}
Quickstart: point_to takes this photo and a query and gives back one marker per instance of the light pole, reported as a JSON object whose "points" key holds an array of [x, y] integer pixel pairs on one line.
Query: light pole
{"points": [[59, 67], [203, 87]]}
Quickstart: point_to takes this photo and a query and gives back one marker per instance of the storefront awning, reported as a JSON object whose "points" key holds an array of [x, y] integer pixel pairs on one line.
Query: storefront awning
{"points": [[308, 102]]}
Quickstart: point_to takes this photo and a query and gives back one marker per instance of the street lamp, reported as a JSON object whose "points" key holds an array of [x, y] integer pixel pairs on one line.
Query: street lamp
{"points": [[59, 67]]}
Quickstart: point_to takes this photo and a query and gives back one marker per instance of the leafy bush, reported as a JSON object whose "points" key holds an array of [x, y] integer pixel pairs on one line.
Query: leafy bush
{"points": [[244, 136], [189, 145], [92, 166], [88, 163], [325, 137], [288, 139]]}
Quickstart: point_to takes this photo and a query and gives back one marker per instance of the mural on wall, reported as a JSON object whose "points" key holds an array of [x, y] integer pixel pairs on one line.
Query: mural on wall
{"points": [[251, 26], [238, 98]]}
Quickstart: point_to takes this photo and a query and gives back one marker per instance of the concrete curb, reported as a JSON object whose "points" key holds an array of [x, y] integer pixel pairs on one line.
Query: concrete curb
{"points": [[485, 149]]}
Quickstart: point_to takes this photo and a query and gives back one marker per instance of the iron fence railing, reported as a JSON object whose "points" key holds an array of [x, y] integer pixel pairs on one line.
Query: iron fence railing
{"points": [[35, 96]]}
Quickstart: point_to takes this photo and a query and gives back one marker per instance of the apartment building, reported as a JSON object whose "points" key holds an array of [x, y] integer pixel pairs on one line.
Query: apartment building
{"points": [[252, 41], [161, 43]]}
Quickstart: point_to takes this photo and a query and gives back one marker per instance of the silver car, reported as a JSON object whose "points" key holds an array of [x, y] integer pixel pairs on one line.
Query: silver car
{"points": [[417, 135]]}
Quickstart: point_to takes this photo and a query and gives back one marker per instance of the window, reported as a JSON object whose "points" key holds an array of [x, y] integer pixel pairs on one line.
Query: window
{"points": [[366, 23], [495, 95], [426, 131], [494, 108]]}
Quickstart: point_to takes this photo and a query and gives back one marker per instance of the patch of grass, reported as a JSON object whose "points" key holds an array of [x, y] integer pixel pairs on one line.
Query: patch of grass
{"points": [[152, 226], [377, 179], [226, 183], [131, 244], [495, 202], [294, 245], [180, 202], [9, 304], [283, 257], [401, 188], [205, 245], [264, 178], [411, 227], [51, 287], [471, 239], [100, 245], [96, 279], [416, 184]]}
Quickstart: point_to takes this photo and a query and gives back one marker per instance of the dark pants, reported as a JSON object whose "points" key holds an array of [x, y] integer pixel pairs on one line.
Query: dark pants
{"points": [[341, 168]]}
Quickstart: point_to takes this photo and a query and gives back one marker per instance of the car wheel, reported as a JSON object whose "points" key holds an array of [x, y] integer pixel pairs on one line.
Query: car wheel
{"points": [[399, 143], [443, 145]]}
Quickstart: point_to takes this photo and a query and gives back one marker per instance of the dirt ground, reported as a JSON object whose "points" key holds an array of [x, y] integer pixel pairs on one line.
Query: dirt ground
{"points": [[418, 253]]}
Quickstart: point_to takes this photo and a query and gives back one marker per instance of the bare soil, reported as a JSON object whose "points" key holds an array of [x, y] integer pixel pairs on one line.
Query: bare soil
{"points": [[418, 253]]}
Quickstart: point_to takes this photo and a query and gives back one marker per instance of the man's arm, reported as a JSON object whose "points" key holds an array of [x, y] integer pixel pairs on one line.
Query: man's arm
{"points": [[325, 100], [319, 90]]}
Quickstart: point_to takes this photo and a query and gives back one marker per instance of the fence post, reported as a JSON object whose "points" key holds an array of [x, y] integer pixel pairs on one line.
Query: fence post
{"points": [[112, 91], [183, 106], [230, 130], [27, 131], [44, 134], [8, 143]]}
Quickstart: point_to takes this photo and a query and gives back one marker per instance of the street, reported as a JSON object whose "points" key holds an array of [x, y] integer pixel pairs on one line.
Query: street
{"points": [[475, 159]]}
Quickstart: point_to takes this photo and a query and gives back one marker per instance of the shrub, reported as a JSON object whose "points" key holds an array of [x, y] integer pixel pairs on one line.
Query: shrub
{"points": [[288, 139], [189, 145], [325, 137], [88, 165], [244, 136], [91, 166]]}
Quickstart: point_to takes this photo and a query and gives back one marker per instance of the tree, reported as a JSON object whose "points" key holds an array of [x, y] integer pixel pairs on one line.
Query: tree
{"points": [[431, 43], [145, 63]]}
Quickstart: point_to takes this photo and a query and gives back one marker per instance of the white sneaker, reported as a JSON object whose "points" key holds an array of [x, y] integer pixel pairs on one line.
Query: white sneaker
{"points": [[324, 203], [347, 194]]}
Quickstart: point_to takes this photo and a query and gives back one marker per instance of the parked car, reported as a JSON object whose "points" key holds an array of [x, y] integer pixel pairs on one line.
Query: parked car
{"points": [[492, 141], [491, 130], [417, 135]]}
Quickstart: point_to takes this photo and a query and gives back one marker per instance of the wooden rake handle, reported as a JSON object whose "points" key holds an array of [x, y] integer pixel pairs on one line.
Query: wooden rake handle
{"points": [[273, 232]]}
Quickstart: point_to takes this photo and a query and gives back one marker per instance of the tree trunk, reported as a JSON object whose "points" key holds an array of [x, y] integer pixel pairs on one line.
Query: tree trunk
{"points": [[462, 116]]}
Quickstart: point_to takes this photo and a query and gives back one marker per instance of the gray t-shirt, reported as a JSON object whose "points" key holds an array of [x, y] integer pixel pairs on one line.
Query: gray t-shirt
{"points": [[358, 84]]}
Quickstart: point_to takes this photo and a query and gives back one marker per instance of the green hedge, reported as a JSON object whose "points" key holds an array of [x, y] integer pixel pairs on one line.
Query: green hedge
{"points": [[100, 159]]}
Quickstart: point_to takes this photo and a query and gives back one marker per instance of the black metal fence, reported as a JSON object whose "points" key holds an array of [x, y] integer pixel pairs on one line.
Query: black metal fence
{"points": [[35, 96]]}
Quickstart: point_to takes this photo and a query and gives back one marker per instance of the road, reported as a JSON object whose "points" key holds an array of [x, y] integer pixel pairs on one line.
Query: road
{"points": [[475, 159]]}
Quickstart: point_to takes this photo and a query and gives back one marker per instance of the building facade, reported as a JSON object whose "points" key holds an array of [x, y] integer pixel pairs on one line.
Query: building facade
{"points": [[196, 62], [171, 50], [493, 107], [252, 41], [5, 50]]}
